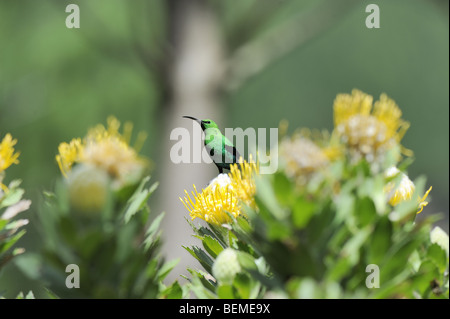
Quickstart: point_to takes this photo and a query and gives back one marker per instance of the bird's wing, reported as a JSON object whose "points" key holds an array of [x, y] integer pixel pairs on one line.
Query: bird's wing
{"points": [[232, 150]]}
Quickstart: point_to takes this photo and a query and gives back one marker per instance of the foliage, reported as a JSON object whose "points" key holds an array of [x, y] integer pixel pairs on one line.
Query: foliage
{"points": [[244, 284], [317, 244], [11, 204], [337, 220], [117, 250]]}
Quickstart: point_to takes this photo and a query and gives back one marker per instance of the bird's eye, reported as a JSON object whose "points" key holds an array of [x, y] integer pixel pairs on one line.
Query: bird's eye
{"points": [[207, 122]]}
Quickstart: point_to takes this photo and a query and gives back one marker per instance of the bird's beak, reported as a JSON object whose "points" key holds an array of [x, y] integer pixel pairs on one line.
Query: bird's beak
{"points": [[193, 118]]}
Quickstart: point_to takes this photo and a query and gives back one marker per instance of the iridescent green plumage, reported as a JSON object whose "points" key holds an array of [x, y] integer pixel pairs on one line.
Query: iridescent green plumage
{"points": [[221, 150]]}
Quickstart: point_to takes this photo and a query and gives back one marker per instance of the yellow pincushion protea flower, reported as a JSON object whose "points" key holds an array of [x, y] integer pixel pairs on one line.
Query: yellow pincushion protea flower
{"points": [[88, 189], [107, 149], [403, 191], [213, 204], [224, 195], [368, 130], [306, 153], [7, 156]]}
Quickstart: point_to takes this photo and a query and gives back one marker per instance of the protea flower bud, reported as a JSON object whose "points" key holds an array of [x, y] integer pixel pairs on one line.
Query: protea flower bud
{"points": [[88, 188], [226, 266]]}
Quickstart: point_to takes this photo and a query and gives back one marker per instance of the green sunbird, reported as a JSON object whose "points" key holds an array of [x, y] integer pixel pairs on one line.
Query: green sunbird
{"points": [[221, 150]]}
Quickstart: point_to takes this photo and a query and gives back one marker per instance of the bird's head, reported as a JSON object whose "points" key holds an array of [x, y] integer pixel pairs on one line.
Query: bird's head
{"points": [[205, 124]]}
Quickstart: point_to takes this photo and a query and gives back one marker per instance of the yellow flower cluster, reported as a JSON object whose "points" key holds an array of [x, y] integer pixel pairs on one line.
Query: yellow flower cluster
{"points": [[363, 130], [224, 195], [105, 148], [213, 204], [7, 155], [367, 129], [303, 155]]}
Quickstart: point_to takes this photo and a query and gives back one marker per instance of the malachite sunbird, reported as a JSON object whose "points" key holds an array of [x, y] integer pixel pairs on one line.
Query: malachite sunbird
{"points": [[221, 150]]}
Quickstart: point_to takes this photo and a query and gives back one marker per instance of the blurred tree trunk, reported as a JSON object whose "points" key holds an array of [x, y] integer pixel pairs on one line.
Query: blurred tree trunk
{"points": [[192, 74]]}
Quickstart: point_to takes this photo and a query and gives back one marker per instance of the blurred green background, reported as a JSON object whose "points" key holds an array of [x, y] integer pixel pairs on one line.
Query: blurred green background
{"points": [[56, 82]]}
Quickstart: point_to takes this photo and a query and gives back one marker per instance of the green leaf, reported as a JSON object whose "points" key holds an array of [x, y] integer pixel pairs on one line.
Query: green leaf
{"points": [[152, 231], [339, 237], [339, 269], [14, 184], [17, 224], [243, 284], [200, 286], [353, 245], [391, 158], [266, 195], [226, 292], [141, 186], [3, 223], [380, 241], [90, 243], [415, 261], [220, 233], [205, 231], [362, 168], [373, 187], [302, 212], [365, 211], [246, 261], [399, 253], [244, 225], [174, 291], [438, 256], [279, 231], [68, 230], [49, 196], [345, 204], [212, 246], [30, 295], [139, 199], [427, 274], [323, 226], [166, 268], [30, 264], [11, 197], [51, 294], [201, 256], [136, 205], [268, 225], [283, 188], [10, 241]]}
